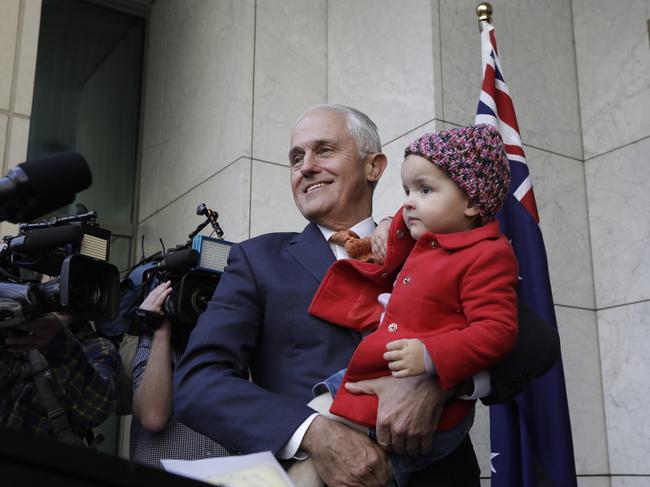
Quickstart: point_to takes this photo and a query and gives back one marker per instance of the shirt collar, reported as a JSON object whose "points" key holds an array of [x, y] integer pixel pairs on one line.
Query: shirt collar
{"points": [[364, 229]]}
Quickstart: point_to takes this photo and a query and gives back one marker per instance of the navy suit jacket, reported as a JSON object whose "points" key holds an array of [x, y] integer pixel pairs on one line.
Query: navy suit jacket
{"points": [[257, 321]]}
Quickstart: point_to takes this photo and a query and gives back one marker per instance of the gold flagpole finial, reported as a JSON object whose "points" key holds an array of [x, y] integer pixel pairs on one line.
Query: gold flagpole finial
{"points": [[484, 12]]}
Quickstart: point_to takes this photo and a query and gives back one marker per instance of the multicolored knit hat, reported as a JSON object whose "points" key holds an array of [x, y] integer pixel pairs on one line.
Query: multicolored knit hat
{"points": [[474, 157]]}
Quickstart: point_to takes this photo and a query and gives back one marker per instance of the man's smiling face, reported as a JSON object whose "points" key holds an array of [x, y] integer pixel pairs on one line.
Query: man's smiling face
{"points": [[329, 179]]}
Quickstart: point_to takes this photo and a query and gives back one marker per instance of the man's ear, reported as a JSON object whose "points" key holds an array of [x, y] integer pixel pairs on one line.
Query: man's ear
{"points": [[375, 164]]}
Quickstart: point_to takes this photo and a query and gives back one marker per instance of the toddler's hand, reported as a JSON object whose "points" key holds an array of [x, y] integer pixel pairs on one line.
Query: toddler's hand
{"points": [[379, 239], [405, 357]]}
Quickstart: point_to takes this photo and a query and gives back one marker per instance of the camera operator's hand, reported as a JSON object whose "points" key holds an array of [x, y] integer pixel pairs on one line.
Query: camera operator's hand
{"points": [[156, 298], [37, 333]]}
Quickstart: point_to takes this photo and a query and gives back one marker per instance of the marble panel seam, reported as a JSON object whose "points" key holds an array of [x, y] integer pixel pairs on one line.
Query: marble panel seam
{"points": [[614, 306], [548, 151], [601, 373], [439, 52], [185, 193], [639, 475], [15, 115], [5, 154], [14, 75], [411, 130], [250, 178], [589, 237], [579, 105], [571, 306], [163, 86], [618, 148], [14, 80], [327, 51], [600, 370], [270, 162]]}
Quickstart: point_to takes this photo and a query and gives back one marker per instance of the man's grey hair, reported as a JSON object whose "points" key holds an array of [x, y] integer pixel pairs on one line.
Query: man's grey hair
{"points": [[361, 128]]}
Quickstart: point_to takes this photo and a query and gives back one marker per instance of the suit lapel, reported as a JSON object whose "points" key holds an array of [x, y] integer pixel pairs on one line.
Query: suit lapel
{"points": [[311, 251]]}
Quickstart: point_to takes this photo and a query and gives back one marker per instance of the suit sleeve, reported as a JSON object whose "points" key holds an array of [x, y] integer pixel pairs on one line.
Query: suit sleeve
{"points": [[537, 349], [489, 302], [212, 391]]}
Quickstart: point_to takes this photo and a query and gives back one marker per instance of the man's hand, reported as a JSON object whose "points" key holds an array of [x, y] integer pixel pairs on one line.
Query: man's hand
{"points": [[408, 413], [156, 298], [405, 357], [379, 239], [37, 333], [343, 456]]}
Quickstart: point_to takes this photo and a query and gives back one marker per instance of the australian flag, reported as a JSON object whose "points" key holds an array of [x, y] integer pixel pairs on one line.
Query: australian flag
{"points": [[531, 437]]}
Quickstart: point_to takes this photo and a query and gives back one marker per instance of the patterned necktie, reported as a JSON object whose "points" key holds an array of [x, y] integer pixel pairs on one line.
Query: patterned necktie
{"points": [[357, 248]]}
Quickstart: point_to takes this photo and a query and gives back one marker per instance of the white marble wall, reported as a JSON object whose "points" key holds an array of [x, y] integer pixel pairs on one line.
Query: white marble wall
{"points": [[613, 59], [198, 97], [614, 72], [290, 76], [617, 184], [290, 71], [380, 60], [226, 80], [624, 343], [19, 26], [227, 190]]}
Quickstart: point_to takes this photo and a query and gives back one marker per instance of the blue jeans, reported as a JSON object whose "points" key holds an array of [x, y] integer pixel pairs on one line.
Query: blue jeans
{"points": [[404, 466]]}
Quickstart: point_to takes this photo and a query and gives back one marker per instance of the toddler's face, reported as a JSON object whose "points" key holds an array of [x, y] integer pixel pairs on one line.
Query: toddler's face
{"points": [[434, 203]]}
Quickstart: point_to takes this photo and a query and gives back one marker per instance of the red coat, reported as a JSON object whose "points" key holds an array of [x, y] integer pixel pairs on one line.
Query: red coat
{"points": [[456, 292]]}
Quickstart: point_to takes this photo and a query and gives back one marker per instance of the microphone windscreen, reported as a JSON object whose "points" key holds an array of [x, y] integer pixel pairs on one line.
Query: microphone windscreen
{"points": [[54, 181], [37, 240], [180, 260]]}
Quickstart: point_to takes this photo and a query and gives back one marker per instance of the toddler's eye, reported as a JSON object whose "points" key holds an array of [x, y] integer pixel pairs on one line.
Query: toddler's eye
{"points": [[425, 189]]}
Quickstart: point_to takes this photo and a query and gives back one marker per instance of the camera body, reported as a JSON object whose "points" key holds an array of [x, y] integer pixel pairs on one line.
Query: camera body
{"points": [[194, 274], [194, 270], [74, 250]]}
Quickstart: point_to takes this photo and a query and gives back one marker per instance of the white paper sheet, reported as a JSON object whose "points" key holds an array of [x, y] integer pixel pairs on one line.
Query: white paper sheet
{"points": [[254, 470]]}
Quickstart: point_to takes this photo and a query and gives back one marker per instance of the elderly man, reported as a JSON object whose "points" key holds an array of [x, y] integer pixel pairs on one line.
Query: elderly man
{"points": [[257, 323]]}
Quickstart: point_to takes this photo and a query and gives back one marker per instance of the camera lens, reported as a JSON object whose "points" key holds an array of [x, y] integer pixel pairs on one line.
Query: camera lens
{"points": [[200, 297], [86, 297]]}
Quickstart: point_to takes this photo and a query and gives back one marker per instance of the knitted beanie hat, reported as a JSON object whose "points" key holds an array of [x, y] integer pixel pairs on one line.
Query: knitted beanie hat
{"points": [[475, 159]]}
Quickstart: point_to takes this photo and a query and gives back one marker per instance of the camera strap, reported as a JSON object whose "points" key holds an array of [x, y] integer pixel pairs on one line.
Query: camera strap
{"points": [[55, 413]]}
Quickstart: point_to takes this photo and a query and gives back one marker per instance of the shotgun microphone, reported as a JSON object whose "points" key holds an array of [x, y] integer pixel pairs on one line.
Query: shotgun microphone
{"points": [[35, 188]]}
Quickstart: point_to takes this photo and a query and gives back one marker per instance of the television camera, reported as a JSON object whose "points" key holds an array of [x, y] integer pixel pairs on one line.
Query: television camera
{"points": [[73, 249], [194, 269]]}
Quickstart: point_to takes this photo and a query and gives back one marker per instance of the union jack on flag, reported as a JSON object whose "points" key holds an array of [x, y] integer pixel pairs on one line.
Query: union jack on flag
{"points": [[531, 436], [495, 108]]}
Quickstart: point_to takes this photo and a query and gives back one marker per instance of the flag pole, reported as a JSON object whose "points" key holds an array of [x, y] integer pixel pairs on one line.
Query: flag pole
{"points": [[484, 13]]}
